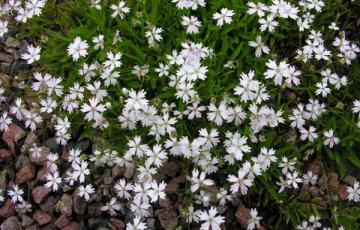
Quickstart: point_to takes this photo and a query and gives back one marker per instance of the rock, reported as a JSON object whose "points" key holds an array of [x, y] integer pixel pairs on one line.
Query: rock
{"points": [[94, 209], [5, 155], [117, 172], [93, 222], [79, 204], [11, 223], [169, 169], [26, 221], [41, 175], [8, 209], [50, 226], [62, 221], [48, 205], [342, 192], [30, 139], [243, 215], [159, 177], [334, 182], [3, 180], [168, 219], [150, 223], [33, 227], [164, 203], [65, 154], [41, 217], [314, 167], [350, 180], [40, 194], [72, 226], [116, 224], [25, 174], [7, 58], [129, 172], [13, 135], [18, 66], [173, 185], [45, 151], [320, 203], [65, 205], [12, 42], [21, 160], [322, 182], [52, 144]]}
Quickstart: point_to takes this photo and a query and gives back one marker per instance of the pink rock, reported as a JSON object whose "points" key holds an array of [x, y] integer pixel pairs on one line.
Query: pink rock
{"points": [[5, 155], [243, 216], [116, 224], [8, 209], [40, 194], [41, 217], [12, 136], [65, 205], [30, 139], [62, 221], [41, 175], [25, 174], [72, 226]]}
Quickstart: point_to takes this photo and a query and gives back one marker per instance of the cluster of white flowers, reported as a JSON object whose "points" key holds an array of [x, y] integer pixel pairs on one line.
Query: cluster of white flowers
{"points": [[184, 69]]}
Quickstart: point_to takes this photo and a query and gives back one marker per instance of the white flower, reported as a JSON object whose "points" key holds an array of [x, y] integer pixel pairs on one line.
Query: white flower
{"points": [[259, 8], [210, 219], [136, 225], [78, 49], [277, 71], [218, 115], [53, 180], [93, 110], [223, 17], [192, 24], [260, 47], [308, 134], [154, 35], [254, 221], [310, 178], [112, 206], [86, 191], [330, 140], [122, 189], [3, 28], [81, 170], [162, 70], [98, 41], [113, 60], [240, 182], [119, 10], [293, 179], [157, 191], [354, 192], [32, 54], [5, 121], [268, 23], [198, 180], [16, 194]]}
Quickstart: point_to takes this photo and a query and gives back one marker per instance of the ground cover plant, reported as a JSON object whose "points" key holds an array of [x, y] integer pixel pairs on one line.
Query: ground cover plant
{"points": [[180, 114]]}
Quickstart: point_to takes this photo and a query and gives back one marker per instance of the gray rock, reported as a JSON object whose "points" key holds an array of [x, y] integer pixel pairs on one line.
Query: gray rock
{"points": [[51, 143], [150, 223], [48, 205], [79, 204], [11, 223], [12, 42]]}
